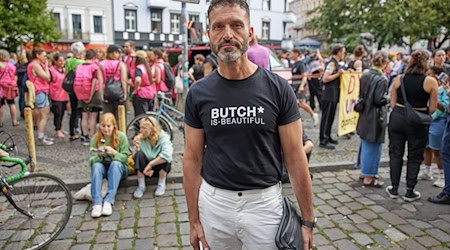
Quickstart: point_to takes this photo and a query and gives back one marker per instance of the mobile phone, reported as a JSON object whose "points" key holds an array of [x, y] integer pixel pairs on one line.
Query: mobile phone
{"points": [[443, 77]]}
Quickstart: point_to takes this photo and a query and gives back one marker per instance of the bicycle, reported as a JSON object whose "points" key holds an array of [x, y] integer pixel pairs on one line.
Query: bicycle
{"points": [[167, 116], [34, 208]]}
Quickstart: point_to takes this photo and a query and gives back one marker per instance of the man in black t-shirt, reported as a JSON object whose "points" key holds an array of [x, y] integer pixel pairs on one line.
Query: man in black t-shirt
{"points": [[246, 117], [299, 80], [330, 98]]}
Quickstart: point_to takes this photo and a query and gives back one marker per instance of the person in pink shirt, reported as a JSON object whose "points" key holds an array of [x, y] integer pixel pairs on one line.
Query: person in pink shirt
{"points": [[258, 54], [144, 87], [58, 95], [8, 87], [109, 66], [39, 75]]}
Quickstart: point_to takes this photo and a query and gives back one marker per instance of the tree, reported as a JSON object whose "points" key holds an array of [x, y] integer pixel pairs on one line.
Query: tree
{"points": [[26, 21], [390, 21]]}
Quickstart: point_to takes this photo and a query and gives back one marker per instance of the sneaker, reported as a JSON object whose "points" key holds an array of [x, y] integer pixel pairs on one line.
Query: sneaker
{"points": [[440, 182], [96, 211], [45, 142], [107, 208], [85, 139], [327, 146], [393, 194], [411, 196], [138, 193], [74, 137], [49, 138], [315, 118], [160, 190], [425, 176]]}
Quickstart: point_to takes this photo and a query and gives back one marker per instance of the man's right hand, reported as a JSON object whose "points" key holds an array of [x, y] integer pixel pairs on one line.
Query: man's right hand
{"points": [[198, 235]]}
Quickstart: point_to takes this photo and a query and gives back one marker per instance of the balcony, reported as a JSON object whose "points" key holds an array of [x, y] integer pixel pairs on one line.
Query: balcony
{"points": [[157, 3], [70, 36], [289, 17]]}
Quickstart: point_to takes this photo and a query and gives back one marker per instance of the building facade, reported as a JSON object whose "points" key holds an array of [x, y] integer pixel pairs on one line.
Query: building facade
{"points": [[156, 23], [302, 28], [82, 20]]}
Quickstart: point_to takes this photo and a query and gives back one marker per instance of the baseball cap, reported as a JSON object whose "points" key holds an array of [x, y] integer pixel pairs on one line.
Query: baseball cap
{"points": [[114, 48]]}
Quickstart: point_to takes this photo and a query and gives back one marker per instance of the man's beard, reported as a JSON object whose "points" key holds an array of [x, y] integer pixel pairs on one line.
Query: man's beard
{"points": [[229, 55]]}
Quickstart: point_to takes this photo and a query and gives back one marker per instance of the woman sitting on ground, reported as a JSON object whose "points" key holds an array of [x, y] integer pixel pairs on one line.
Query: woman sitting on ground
{"points": [[109, 154], [154, 155]]}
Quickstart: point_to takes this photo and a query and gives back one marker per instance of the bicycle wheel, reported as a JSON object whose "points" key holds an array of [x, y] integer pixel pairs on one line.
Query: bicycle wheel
{"points": [[49, 202], [133, 126]]}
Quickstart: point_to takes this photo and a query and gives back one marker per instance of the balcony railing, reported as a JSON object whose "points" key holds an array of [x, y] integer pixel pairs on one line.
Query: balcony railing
{"points": [[74, 36]]}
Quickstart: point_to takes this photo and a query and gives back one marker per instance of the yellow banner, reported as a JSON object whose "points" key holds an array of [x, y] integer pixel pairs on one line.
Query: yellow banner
{"points": [[349, 95]]}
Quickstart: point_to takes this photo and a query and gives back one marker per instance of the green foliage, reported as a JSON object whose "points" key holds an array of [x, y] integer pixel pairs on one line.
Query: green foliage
{"points": [[26, 21], [390, 21]]}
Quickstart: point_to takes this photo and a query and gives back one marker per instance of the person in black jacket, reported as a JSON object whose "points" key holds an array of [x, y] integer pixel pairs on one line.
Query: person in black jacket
{"points": [[371, 126]]}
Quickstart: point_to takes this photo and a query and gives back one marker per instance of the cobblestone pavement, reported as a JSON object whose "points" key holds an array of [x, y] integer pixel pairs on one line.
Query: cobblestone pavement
{"points": [[350, 216], [69, 160]]}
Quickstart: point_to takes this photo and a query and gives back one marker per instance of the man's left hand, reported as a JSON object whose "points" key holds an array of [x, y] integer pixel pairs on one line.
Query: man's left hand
{"points": [[307, 236]]}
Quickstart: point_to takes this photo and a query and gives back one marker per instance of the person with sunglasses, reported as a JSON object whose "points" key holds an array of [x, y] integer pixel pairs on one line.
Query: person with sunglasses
{"points": [[153, 156]]}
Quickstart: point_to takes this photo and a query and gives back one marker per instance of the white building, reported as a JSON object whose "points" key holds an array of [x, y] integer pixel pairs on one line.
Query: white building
{"points": [[156, 23], [82, 20]]}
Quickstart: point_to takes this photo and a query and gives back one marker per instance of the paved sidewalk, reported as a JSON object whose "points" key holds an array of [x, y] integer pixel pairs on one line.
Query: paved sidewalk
{"points": [[350, 216]]}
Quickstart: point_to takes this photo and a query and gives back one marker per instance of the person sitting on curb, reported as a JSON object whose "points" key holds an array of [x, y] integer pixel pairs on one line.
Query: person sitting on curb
{"points": [[154, 155], [109, 154]]}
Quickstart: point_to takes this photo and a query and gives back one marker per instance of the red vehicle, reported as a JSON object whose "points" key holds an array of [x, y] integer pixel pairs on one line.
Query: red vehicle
{"points": [[276, 65]]}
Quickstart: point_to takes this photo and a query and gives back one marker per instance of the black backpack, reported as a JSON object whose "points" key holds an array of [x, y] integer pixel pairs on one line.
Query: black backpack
{"points": [[68, 81], [169, 78]]}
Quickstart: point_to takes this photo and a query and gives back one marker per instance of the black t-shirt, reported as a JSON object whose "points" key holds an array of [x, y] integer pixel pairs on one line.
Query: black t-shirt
{"points": [[331, 89], [240, 119], [298, 68]]}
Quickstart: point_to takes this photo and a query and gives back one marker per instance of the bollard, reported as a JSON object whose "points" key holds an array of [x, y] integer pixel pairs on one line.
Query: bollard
{"points": [[122, 118], [30, 136]]}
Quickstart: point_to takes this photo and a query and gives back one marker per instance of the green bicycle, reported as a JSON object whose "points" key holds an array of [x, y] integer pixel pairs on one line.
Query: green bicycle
{"points": [[34, 208]]}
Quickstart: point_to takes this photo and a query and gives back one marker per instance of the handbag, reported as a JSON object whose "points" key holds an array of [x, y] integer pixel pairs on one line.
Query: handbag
{"points": [[113, 88], [289, 233], [413, 116], [360, 105]]}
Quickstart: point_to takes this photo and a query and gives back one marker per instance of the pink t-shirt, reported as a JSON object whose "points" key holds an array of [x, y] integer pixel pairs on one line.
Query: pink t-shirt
{"points": [[7, 74], [57, 93], [146, 89], [109, 67], [259, 55], [40, 85]]}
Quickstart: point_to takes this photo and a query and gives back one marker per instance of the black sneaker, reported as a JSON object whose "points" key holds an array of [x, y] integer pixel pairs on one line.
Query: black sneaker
{"points": [[391, 192], [332, 141], [441, 198], [327, 146], [411, 196]]}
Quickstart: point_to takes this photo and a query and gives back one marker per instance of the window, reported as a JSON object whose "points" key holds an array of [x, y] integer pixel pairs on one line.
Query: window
{"points": [[156, 20], [265, 31], [76, 24], [98, 24], [266, 4], [175, 23], [57, 17], [130, 20], [194, 18]]}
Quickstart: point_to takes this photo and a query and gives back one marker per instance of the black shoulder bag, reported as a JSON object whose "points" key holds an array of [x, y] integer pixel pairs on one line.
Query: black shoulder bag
{"points": [[289, 233], [413, 116]]}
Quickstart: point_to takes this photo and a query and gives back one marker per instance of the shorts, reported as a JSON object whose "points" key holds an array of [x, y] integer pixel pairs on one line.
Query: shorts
{"points": [[300, 96], [4, 101], [435, 133], [94, 106], [42, 100]]}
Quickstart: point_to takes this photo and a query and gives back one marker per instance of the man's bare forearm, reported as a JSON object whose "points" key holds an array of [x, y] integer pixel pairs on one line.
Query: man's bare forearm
{"points": [[301, 184], [192, 181]]}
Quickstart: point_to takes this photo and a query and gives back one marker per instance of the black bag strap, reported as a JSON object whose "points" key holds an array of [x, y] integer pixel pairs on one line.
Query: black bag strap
{"points": [[7, 64], [403, 90]]}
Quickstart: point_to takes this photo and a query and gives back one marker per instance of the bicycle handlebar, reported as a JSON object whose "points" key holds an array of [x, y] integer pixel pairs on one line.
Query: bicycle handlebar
{"points": [[162, 96], [17, 161]]}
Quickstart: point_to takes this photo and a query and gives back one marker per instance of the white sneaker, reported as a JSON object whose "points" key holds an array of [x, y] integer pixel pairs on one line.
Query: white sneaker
{"points": [[107, 208], [426, 176], [160, 190], [45, 142], [315, 118], [440, 182], [96, 211]]}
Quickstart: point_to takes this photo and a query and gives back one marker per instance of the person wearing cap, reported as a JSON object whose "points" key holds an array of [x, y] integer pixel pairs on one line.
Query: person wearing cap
{"points": [[144, 85], [72, 63], [109, 66]]}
